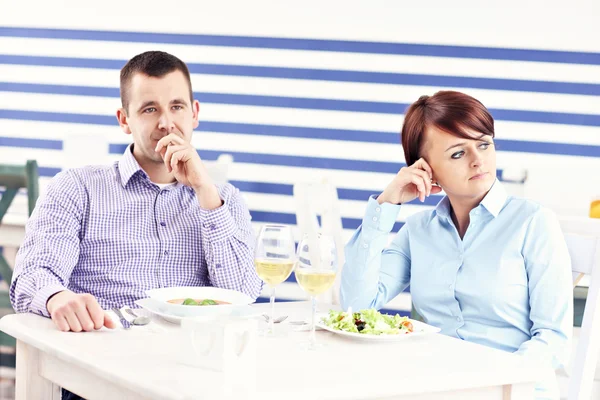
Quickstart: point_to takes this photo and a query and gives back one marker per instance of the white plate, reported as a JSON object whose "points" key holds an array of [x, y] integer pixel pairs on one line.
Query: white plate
{"points": [[419, 328], [160, 298], [243, 311]]}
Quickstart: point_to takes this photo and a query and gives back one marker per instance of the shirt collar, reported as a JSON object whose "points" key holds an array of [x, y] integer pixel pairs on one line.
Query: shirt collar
{"points": [[443, 208], [128, 166], [493, 201]]}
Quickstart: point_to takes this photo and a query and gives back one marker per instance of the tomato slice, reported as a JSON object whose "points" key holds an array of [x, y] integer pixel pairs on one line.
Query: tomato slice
{"points": [[408, 325]]}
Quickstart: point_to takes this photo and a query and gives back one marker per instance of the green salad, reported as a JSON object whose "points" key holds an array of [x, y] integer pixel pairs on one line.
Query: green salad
{"points": [[369, 322]]}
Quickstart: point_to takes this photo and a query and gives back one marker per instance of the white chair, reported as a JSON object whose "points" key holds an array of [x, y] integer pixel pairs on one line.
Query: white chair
{"points": [[543, 186], [514, 181], [321, 198], [220, 168], [583, 240], [81, 149]]}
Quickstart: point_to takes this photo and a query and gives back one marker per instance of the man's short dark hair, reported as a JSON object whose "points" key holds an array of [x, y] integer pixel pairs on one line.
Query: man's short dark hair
{"points": [[151, 63]]}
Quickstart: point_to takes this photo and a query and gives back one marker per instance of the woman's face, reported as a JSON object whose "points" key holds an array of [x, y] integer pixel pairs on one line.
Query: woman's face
{"points": [[464, 168]]}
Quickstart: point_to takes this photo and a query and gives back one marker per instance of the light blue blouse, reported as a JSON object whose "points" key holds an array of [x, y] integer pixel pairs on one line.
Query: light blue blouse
{"points": [[507, 284]]}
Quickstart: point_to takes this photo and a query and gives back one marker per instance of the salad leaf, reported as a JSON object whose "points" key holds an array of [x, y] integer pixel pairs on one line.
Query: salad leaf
{"points": [[369, 322]]}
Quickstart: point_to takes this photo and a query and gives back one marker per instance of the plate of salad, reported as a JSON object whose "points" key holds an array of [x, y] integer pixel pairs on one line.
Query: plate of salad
{"points": [[372, 325]]}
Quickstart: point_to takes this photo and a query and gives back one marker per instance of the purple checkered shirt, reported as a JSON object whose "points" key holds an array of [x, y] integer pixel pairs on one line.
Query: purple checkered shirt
{"points": [[111, 232]]}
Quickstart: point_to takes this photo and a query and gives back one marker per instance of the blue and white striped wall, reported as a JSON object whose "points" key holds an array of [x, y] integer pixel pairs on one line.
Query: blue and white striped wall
{"points": [[292, 103]]}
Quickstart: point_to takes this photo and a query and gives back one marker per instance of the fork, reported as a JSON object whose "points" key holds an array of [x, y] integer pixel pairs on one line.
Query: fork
{"points": [[124, 322]]}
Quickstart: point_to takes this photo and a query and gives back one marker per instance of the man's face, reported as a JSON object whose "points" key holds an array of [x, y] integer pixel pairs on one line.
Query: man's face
{"points": [[158, 107]]}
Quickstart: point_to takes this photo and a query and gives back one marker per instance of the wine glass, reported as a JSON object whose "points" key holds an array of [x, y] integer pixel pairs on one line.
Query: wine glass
{"points": [[274, 258], [315, 272]]}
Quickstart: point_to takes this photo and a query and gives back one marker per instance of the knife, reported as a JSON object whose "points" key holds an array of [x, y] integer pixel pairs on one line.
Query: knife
{"points": [[124, 322]]}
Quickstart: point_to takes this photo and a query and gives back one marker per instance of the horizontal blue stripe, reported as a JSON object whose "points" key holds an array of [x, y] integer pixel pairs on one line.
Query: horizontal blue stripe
{"points": [[290, 219], [433, 82], [391, 78], [48, 171], [31, 143], [261, 299], [264, 187], [582, 150], [343, 194], [299, 132], [292, 279], [292, 161], [377, 107], [307, 162], [351, 46], [391, 311], [86, 119]]}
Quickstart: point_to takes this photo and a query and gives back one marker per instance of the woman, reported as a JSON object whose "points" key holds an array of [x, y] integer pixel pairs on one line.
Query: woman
{"points": [[482, 266]]}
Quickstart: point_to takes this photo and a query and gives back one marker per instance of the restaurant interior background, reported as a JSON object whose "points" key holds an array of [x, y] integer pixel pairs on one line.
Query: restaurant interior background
{"points": [[301, 91]]}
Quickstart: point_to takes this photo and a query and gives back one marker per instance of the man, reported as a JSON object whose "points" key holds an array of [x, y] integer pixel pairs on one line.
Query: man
{"points": [[103, 235]]}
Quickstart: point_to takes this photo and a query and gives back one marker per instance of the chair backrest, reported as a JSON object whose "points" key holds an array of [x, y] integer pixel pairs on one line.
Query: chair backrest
{"points": [[13, 178], [320, 198], [541, 186], [219, 169], [583, 240], [514, 181]]}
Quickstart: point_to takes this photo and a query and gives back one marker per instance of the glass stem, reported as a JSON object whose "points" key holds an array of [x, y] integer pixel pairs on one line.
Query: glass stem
{"points": [[312, 339], [272, 301]]}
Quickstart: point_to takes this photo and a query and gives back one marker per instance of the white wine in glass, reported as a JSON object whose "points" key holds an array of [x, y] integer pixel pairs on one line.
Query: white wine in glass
{"points": [[314, 282], [273, 271], [316, 270], [274, 258]]}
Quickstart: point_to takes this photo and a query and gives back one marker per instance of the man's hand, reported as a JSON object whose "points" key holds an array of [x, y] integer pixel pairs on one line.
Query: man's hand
{"points": [[182, 159], [77, 312]]}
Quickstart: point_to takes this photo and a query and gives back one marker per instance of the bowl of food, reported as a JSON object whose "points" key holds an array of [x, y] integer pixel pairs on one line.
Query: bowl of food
{"points": [[192, 301]]}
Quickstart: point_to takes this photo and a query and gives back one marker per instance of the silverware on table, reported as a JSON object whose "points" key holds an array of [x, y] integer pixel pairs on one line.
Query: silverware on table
{"points": [[126, 324], [138, 320], [275, 320]]}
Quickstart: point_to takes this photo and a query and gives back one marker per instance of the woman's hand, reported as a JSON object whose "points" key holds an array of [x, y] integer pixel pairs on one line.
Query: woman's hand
{"points": [[410, 183]]}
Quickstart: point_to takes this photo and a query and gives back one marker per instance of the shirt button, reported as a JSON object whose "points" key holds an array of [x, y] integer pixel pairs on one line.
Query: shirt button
{"points": [[365, 245], [458, 319], [166, 253], [374, 219], [450, 287], [163, 224], [378, 209]]}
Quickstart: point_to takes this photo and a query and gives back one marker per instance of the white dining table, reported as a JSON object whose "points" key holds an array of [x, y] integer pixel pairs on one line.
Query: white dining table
{"points": [[144, 363]]}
